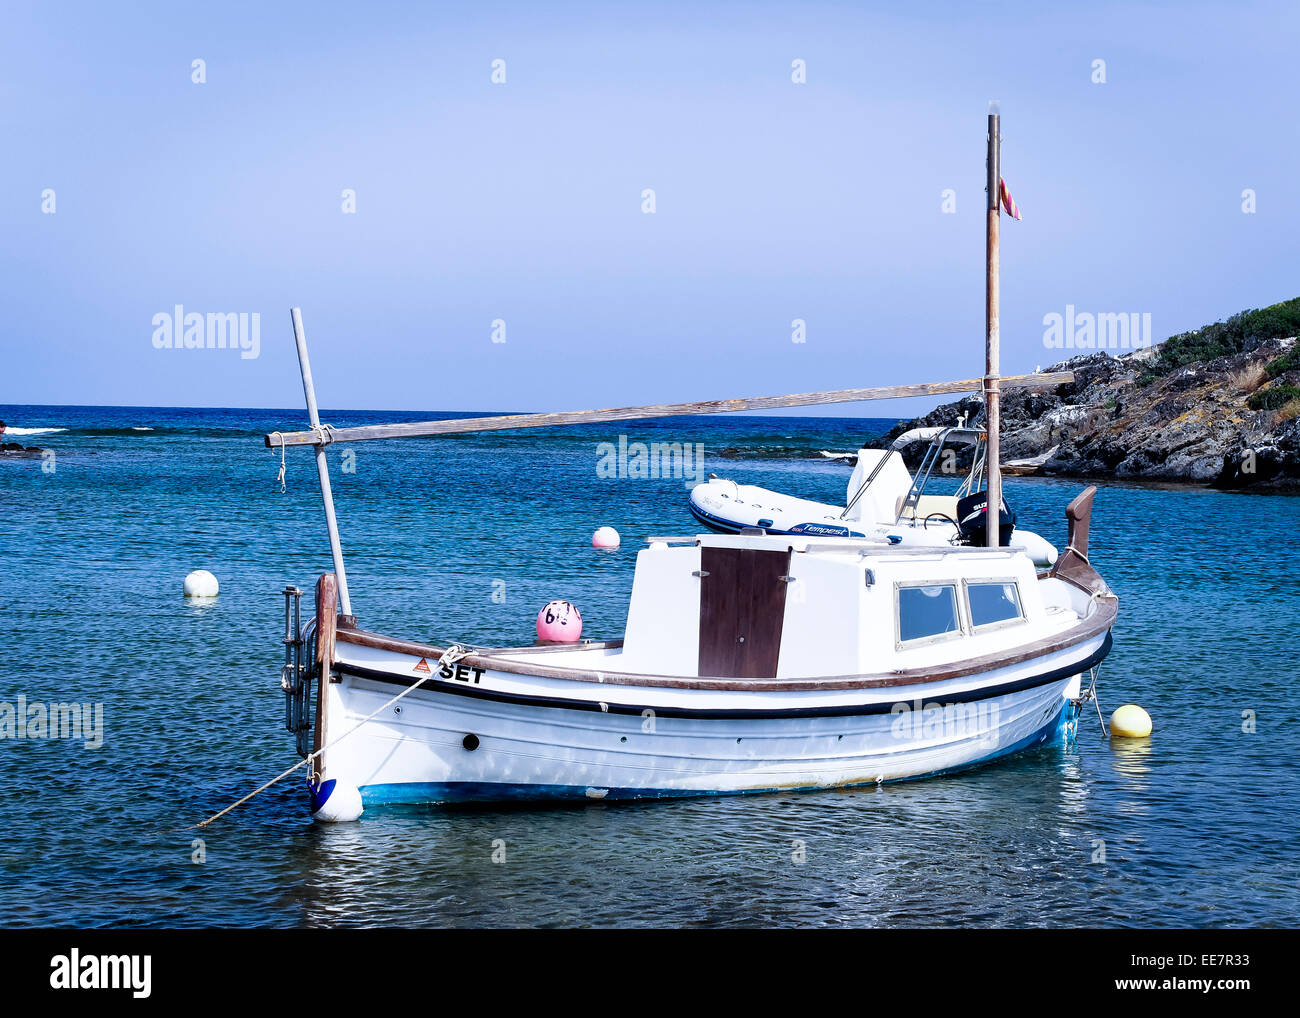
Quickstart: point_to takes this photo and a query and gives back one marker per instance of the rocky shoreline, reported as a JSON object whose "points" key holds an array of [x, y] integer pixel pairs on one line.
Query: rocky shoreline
{"points": [[1217, 407], [14, 449]]}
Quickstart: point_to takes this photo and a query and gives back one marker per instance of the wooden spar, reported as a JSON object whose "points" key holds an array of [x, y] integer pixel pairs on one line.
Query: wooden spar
{"points": [[322, 464], [327, 607], [425, 429], [992, 340]]}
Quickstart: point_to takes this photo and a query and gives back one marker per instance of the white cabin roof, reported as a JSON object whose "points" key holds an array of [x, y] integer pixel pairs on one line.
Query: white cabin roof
{"points": [[838, 613]]}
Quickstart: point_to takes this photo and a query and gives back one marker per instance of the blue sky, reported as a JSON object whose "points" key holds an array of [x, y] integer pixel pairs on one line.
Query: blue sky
{"points": [[522, 201]]}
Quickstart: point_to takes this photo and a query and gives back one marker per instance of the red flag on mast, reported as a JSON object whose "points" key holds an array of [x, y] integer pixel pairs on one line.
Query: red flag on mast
{"points": [[1008, 203]]}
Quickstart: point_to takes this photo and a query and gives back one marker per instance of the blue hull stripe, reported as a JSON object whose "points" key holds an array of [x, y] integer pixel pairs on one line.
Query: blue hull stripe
{"points": [[731, 527]]}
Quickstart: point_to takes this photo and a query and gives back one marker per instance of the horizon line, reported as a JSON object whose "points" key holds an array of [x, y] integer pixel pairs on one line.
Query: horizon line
{"points": [[419, 410]]}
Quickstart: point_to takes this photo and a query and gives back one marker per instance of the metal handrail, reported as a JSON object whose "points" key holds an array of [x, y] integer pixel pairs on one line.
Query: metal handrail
{"points": [[926, 470]]}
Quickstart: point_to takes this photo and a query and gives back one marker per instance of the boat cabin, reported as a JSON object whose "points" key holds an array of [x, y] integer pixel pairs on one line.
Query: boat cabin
{"points": [[762, 606]]}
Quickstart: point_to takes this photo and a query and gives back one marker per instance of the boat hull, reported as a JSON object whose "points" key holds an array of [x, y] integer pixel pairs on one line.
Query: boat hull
{"points": [[490, 742], [417, 792]]}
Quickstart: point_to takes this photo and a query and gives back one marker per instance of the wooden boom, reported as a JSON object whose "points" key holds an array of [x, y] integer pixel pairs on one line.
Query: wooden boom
{"points": [[424, 429]]}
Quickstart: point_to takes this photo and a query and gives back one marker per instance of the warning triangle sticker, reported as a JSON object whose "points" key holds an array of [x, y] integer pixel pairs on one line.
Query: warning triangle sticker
{"points": [[423, 666]]}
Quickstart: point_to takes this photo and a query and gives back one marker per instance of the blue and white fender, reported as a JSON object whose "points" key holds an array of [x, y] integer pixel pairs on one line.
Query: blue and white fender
{"points": [[334, 801]]}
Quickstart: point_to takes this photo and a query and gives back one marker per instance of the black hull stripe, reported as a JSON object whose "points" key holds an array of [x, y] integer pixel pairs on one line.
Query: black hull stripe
{"points": [[457, 688]]}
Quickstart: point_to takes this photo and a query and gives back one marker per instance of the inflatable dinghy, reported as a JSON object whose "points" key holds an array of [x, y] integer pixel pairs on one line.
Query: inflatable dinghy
{"points": [[883, 500]]}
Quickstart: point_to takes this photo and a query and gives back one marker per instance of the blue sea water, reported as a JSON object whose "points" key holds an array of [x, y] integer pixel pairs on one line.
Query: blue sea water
{"points": [[1195, 827]]}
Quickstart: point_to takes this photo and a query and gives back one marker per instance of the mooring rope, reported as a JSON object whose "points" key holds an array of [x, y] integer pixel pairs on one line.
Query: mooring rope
{"points": [[449, 657], [1091, 694], [324, 436], [1070, 547]]}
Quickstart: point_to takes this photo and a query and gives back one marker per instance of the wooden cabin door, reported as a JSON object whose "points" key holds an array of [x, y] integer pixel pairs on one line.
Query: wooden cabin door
{"points": [[742, 608]]}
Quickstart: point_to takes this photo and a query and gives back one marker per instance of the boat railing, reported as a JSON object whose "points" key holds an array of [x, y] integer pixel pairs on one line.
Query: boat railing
{"points": [[890, 551], [932, 454], [863, 546]]}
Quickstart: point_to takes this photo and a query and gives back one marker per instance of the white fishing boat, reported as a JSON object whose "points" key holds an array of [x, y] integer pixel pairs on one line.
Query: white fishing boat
{"points": [[883, 501], [750, 662]]}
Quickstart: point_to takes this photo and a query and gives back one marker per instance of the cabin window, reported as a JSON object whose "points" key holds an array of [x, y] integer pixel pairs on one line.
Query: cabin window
{"points": [[992, 603], [927, 612]]}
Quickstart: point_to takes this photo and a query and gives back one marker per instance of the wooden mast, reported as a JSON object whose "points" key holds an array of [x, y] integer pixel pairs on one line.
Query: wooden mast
{"points": [[427, 429], [992, 392], [322, 464]]}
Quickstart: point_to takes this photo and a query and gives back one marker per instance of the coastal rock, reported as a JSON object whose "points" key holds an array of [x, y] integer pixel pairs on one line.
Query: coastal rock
{"points": [[1230, 420], [14, 449], [1269, 462]]}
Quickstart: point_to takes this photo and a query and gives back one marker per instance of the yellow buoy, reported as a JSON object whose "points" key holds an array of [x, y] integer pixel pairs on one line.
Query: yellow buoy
{"points": [[1130, 722]]}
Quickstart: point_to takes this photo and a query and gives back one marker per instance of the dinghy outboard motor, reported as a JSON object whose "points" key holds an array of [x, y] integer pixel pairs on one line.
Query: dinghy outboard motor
{"points": [[972, 513]]}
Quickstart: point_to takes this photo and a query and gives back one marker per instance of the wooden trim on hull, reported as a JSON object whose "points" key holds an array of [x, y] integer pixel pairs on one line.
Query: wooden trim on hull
{"points": [[350, 627], [1073, 567], [725, 714], [1100, 621]]}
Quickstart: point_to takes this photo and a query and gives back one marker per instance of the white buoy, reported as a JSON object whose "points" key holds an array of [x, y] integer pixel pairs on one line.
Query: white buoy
{"points": [[201, 583], [335, 802], [1130, 722], [605, 538]]}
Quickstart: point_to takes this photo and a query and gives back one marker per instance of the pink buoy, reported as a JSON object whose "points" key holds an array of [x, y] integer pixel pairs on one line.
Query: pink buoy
{"points": [[559, 622], [605, 537]]}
